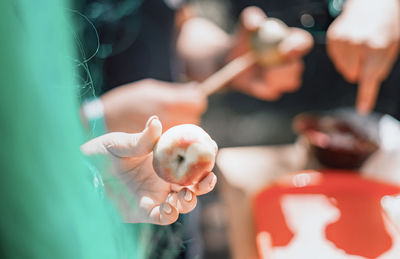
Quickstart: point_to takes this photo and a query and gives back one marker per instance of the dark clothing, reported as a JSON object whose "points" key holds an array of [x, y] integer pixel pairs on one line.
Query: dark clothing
{"points": [[149, 53], [136, 41]]}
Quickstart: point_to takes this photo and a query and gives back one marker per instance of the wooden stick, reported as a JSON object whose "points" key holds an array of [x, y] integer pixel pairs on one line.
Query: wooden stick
{"points": [[227, 73]]}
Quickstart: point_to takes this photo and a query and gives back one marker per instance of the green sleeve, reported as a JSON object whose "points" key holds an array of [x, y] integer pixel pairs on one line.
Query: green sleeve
{"points": [[49, 206]]}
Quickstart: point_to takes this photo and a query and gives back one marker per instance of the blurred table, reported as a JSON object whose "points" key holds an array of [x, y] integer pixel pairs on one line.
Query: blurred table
{"points": [[244, 171]]}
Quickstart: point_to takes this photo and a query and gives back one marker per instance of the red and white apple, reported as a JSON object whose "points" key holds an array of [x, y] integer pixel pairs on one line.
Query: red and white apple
{"points": [[184, 154]]}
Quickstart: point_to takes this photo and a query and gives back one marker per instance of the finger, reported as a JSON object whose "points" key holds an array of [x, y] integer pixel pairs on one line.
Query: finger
{"points": [[335, 47], [252, 17], [262, 91], [335, 51], [164, 214], [206, 185], [387, 58], [377, 66], [172, 199], [241, 82], [366, 96], [258, 87], [297, 44], [187, 201], [121, 144], [347, 58], [332, 50], [285, 78], [368, 87], [352, 62], [346, 53], [250, 20]]}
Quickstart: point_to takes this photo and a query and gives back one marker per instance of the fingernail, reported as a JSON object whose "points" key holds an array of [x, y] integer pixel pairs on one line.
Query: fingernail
{"points": [[213, 181], [150, 120], [188, 195], [170, 199], [166, 208]]}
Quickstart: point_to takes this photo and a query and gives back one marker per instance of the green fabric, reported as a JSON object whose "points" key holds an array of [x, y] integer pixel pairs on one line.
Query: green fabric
{"points": [[49, 205]]}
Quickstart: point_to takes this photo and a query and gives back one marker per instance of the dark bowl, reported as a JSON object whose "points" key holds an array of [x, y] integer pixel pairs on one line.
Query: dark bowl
{"points": [[339, 139]]}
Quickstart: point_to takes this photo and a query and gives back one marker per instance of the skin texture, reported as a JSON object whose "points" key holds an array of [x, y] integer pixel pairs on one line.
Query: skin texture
{"points": [[363, 43], [270, 83], [158, 201], [127, 107]]}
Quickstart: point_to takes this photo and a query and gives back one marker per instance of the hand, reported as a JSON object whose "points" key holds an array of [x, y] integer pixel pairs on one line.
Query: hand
{"points": [[127, 107], [363, 43], [157, 201], [270, 83], [201, 45]]}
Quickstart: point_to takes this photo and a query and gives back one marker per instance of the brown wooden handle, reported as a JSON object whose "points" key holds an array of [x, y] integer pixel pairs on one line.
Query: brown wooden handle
{"points": [[227, 73]]}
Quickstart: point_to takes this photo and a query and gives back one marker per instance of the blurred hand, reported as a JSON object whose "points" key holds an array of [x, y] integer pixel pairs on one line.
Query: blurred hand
{"points": [[127, 107], [270, 83], [201, 45], [363, 43], [156, 201]]}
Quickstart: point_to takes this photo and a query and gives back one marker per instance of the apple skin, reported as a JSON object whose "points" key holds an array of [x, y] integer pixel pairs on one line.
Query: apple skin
{"points": [[184, 154]]}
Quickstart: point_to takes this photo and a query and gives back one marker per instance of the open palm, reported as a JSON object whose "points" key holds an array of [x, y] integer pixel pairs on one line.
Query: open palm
{"points": [[146, 197]]}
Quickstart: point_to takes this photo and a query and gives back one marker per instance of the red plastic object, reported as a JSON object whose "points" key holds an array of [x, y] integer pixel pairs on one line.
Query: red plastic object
{"points": [[359, 230]]}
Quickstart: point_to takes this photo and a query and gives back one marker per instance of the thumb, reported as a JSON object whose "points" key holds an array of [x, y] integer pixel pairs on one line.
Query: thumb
{"points": [[251, 18], [368, 89], [297, 44], [367, 93], [122, 144]]}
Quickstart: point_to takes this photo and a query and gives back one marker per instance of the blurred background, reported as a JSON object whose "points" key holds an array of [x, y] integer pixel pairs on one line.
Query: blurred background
{"points": [[131, 40]]}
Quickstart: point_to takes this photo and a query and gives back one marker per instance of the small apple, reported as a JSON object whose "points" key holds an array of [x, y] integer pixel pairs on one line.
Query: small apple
{"points": [[184, 154]]}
